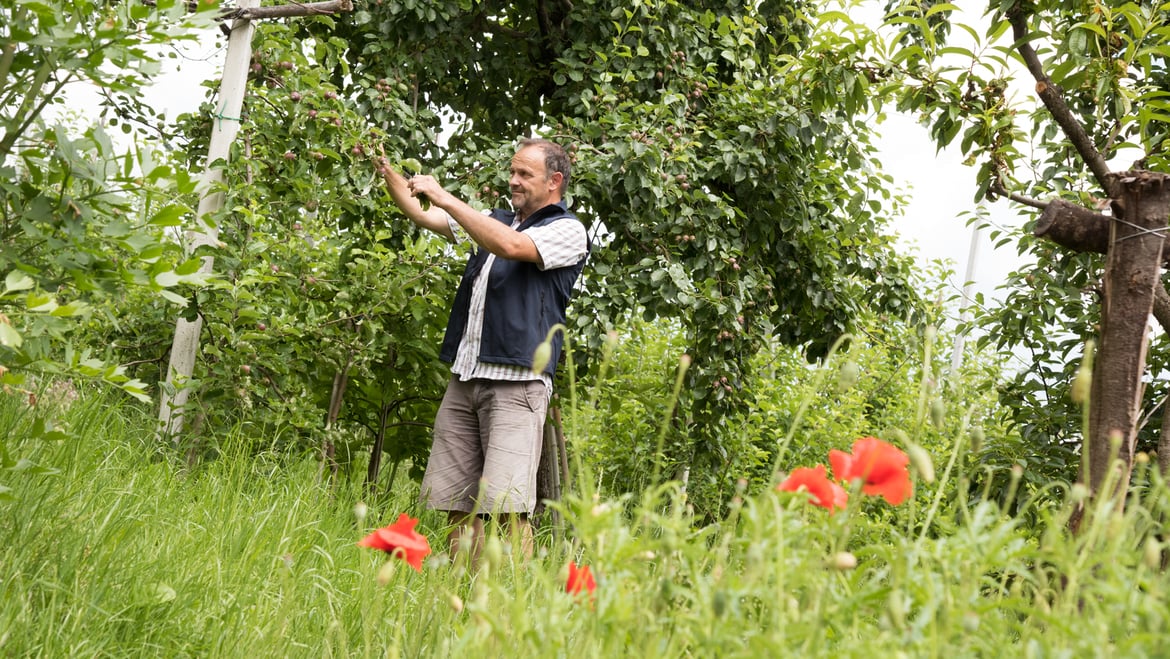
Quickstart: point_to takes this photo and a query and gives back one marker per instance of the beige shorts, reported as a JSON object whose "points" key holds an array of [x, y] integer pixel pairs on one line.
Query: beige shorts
{"points": [[486, 450]]}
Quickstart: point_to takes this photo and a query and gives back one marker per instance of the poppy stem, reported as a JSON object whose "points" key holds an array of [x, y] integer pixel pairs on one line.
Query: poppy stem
{"points": [[941, 488], [818, 381]]}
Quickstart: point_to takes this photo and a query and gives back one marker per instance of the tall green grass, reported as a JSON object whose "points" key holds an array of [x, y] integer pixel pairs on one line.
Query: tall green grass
{"points": [[125, 552]]}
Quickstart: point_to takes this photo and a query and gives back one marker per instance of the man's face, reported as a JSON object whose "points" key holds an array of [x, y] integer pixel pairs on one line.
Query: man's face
{"points": [[532, 188]]}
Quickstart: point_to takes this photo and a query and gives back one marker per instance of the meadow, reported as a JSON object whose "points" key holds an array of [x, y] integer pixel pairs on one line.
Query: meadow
{"points": [[115, 547]]}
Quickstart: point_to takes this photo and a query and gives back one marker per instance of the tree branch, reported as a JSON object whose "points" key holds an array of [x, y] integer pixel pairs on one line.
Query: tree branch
{"points": [[1053, 99], [279, 11], [1001, 191], [1162, 306], [1079, 229], [292, 9]]}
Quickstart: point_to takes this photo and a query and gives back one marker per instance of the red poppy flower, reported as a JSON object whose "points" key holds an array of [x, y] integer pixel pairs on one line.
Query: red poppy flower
{"points": [[580, 580], [824, 492], [879, 465], [401, 540]]}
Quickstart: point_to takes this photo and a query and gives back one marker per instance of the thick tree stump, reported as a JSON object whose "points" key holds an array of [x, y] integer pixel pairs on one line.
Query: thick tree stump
{"points": [[1132, 272]]}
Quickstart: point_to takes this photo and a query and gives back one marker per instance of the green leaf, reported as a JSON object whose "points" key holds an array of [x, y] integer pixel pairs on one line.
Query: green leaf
{"points": [[169, 216], [17, 281], [166, 279], [9, 337]]}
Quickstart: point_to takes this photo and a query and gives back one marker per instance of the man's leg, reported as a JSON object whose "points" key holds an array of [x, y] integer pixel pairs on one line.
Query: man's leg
{"points": [[453, 471], [466, 536], [519, 529], [512, 422]]}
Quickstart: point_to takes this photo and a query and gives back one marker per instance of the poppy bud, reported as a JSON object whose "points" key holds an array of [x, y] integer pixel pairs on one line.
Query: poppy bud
{"points": [[611, 339], [493, 551], [929, 333], [922, 462], [1078, 492], [541, 357], [843, 561], [1152, 553], [1081, 385], [1083, 381], [359, 511], [977, 437], [386, 573], [455, 602], [937, 413], [755, 554], [847, 375]]}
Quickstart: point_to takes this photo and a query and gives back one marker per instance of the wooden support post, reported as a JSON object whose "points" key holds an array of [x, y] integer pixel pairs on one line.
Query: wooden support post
{"points": [[223, 132]]}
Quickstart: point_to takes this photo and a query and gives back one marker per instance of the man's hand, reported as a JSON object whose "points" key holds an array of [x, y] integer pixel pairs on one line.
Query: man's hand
{"points": [[425, 188]]}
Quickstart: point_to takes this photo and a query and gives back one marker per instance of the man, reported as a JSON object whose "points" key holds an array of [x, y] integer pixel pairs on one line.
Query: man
{"points": [[515, 288]]}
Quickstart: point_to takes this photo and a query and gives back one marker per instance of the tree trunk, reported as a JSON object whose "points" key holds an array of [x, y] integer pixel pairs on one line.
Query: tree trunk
{"points": [[553, 471], [336, 396], [1131, 275], [375, 466]]}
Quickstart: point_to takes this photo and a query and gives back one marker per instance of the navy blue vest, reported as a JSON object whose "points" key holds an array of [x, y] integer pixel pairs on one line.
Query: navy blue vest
{"points": [[522, 301]]}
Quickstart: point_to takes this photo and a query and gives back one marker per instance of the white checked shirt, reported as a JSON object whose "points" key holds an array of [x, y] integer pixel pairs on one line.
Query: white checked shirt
{"points": [[560, 244]]}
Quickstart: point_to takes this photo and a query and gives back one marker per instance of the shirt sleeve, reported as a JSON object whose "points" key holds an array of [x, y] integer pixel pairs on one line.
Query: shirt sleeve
{"points": [[560, 244], [458, 235]]}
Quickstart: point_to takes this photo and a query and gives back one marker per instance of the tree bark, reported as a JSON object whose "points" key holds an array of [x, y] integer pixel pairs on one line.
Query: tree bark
{"points": [[548, 482], [1130, 279]]}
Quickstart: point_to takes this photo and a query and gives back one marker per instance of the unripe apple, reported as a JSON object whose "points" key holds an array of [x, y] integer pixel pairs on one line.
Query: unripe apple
{"points": [[246, 369], [289, 155], [261, 326]]}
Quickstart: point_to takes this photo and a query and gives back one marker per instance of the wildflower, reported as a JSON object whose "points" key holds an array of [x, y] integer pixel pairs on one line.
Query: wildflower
{"points": [[823, 492], [401, 540], [879, 465], [580, 580]]}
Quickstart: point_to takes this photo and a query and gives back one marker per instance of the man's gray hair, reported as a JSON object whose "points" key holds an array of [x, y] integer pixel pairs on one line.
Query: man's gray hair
{"points": [[555, 159]]}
